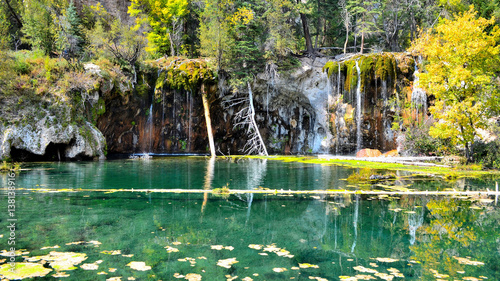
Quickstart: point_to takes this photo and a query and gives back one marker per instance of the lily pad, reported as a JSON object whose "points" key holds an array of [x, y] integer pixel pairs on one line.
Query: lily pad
{"points": [[23, 270]]}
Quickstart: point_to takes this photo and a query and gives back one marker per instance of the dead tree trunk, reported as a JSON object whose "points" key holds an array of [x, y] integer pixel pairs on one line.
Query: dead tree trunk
{"points": [[246, 118], [206, 107]]}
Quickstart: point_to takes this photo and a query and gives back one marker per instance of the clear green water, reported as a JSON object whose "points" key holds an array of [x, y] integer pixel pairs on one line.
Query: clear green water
{"points": [[420, 238]]}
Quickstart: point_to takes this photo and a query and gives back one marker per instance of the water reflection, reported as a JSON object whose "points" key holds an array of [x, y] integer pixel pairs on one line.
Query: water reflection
{"points": [[421, 238]]}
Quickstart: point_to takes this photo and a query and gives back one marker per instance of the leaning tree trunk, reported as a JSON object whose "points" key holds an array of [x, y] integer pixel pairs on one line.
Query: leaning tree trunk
{"points": [[206, 107], [307, 35]]}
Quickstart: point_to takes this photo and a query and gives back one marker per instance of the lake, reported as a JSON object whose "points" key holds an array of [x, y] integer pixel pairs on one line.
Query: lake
{"points": [[92, 221]]}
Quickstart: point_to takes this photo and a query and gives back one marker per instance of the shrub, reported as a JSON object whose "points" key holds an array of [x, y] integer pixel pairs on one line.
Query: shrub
{"points": [[487, 154]]}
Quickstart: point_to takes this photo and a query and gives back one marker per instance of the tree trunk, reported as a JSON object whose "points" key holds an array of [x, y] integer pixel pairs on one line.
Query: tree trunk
{"points": [[362, 41], [346, 39], [307, 35], [250, 98], [14, 14], [172, 50], [206, 107]]}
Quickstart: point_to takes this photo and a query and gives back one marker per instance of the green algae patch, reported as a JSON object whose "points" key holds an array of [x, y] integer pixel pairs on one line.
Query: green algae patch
{"points": [[23, 270], [449, 173]]}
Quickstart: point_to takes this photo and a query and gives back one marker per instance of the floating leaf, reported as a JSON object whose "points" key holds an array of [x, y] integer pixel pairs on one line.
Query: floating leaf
{"points": [[279, 269], [13, 253], [176, 243], [102, 273], [53, 247], [307, 265], [384, 276], [193, 277], [139, 265], [217, 247], [364, 269], [61, 261], [128, 256], [171, 249], [60, 275], [255, 246], [227, 263], [113, 253], [348, 278], [318, 278], [114, 279], [231, 278], [112, 269], [89, 266], [386, 260], [247, 279], [365, 277], [468, 261], [23, 270], [178, 276]]}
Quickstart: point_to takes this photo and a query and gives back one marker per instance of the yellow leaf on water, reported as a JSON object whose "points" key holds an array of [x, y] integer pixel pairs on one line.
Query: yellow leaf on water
{"points": [[279, 269], [139, 265]]}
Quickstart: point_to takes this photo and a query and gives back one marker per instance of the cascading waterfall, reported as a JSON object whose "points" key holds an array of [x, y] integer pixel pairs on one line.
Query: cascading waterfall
{"points": [[358, 110], [337, 123], [150, 127], [418, 96], [190, 111]]}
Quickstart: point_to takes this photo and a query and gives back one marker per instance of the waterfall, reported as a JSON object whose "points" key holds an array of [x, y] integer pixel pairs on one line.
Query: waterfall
{"points": [[190, 112], [418, 96], [337, 123], [150, 127], [358, 110]]}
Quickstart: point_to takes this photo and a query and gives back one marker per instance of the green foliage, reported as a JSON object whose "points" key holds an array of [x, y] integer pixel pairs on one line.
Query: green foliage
{"points": [[165, 17], [419, 142], [71, 37], [487, 154], [39, 26]]}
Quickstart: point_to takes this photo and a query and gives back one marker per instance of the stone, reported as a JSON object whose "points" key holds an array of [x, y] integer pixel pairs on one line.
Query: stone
{"points": [[368, 153], [391, 153]]}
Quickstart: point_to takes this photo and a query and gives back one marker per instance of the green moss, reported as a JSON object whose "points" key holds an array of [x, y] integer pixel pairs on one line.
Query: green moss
{"points": [[433, 170], [351, 78], [385, 67], [187, 74]]}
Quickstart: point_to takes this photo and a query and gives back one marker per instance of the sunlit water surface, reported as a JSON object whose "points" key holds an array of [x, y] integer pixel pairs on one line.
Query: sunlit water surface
{"points": [[252, 236]]}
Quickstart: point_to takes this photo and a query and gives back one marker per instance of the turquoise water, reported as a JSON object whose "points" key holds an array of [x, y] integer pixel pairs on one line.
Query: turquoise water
{"points": [[272, 237]]}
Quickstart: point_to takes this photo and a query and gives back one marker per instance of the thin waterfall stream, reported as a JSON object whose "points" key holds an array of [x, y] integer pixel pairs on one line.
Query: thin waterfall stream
{"points": [[358, 110]]}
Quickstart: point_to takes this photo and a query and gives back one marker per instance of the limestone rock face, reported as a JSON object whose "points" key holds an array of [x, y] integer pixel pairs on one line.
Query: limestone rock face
{"points": [[292, 109], [76, 141]]}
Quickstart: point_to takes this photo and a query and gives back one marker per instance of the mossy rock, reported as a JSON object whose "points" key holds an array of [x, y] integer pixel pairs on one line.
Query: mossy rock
{"points": [[381, 66], [23, 270], [183, 73]]}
